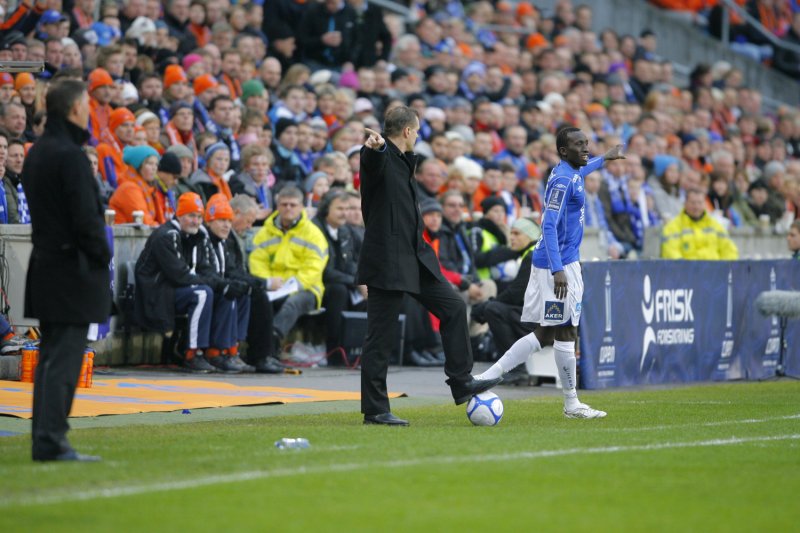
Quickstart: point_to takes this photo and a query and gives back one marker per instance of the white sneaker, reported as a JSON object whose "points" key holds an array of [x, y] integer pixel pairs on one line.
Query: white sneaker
{"points": [[584, 411]]}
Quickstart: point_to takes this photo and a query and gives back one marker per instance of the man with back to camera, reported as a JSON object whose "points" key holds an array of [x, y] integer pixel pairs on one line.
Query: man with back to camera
{"points": [[395, 260], [554, 293], [68, 284]]}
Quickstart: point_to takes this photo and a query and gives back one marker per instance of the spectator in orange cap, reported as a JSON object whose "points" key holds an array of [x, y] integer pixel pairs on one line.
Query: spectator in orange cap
{"points": [[6, 87], [206, 88], [138, 192], [109, 153], [25, 86], [176, 84], [100, 85]]}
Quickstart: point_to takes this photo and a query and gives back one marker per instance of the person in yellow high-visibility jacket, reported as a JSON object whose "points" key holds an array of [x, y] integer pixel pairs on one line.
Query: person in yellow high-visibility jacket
{"points": [[694, 234], [289, 246]]}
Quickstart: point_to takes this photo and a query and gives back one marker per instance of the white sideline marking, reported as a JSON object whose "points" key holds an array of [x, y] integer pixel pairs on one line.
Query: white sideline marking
{"points": [[116, 492], [704, 424]]}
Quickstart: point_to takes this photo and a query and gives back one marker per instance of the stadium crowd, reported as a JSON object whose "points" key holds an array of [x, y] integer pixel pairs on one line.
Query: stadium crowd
{"points": [[249, 117]]}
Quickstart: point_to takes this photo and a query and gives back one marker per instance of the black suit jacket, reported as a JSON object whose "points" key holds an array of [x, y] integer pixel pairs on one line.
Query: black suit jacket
{"points": [[68, 275], [393, 250]]}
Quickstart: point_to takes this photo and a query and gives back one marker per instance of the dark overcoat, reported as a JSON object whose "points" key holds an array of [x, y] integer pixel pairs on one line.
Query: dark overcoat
{"points": [[68, 275], [393, 250]]}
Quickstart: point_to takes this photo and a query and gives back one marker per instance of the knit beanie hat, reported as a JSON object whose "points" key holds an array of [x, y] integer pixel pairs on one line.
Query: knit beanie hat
{"points": [[23, 80], [214, 148], [181, 150], [490, 202], [136, 155], [189, 202], [99, 77], [282, 124], [429, 205], [218, 208], [177, 106], [204, 83], [527, 227], [312, 179], [252, 88], [118, 117], [174, 74], [6, 79], [191, 59], [662, 162], [170, 163]]}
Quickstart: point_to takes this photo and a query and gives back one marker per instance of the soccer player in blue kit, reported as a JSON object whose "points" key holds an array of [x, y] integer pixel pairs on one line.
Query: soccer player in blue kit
{"points": [[555, 289]]}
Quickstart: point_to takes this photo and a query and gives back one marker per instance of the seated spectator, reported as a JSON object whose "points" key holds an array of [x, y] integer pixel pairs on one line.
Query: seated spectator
{"points": [[316, 187], [722, 202], [169, 171], [341, 291], [503, 312], [106, 190], [640, 205], [490, 186], [760, 204], [615, 205], [289, 246], [209, 180], [595, 216], [176, 275], [260, 351], [494, 260], [178, 131], [119, 135], [665, 185], [137, 192], [694, 234], [455, 251], [13, 204], [227, 263], [186, 157], [287, 167], [256, 179]]}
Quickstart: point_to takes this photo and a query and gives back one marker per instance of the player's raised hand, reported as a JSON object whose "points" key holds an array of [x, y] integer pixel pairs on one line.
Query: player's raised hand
{"points": [[375, 141], [615, 153]]}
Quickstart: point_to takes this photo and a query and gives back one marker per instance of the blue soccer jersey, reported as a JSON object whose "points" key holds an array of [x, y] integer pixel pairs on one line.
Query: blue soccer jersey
{"points": [[562, 220]]}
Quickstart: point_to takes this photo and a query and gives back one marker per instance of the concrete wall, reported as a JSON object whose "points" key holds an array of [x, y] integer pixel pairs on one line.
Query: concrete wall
{"points": [[129, 240]]}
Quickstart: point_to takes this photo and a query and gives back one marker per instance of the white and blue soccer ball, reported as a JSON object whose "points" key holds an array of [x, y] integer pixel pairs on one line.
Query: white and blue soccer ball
{"points": [[485, 409]]}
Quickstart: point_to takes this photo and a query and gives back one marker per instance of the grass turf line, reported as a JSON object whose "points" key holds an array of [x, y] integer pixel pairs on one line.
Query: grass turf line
{"points": [[440, 474]]}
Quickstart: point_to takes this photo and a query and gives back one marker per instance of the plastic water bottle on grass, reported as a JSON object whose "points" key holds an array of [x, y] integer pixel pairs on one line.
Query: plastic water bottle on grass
{"points": [[297, 444]]}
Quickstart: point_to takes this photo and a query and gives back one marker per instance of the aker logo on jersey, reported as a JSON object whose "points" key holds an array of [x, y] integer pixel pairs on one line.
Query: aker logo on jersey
{"points": [[554, 311], [556, 197]]}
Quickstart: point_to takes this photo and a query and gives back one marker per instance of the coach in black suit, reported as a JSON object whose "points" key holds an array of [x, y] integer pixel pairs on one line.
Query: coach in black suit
{"points": [[396, 260], [68, 285]]}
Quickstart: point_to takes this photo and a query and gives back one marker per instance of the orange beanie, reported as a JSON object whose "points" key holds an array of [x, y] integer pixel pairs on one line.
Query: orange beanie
{"points": [[204, 83], [99, 77], [189, 202], [174, 74], [218, 208], [23, 80], [118, 117]]}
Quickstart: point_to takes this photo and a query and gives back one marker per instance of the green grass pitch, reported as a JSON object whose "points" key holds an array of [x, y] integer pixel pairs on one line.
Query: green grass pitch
{"points": [[722, 457]]}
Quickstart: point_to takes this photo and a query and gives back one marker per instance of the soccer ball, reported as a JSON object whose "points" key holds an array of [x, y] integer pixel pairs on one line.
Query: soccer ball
{"points": [[485, 409]]}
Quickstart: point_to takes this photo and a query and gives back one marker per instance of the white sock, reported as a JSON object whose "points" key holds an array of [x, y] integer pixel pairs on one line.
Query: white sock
{"points": [[516, 355], [565, 361]]}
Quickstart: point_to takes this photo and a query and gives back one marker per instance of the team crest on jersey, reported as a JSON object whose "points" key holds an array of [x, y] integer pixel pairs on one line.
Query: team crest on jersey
{"points": [[556, 197], [554, 311]]}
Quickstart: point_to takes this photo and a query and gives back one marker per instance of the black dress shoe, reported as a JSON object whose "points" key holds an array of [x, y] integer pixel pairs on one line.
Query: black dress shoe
{"points": [[463, 392], [386, 419], [270, 365], [72, 455]]}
